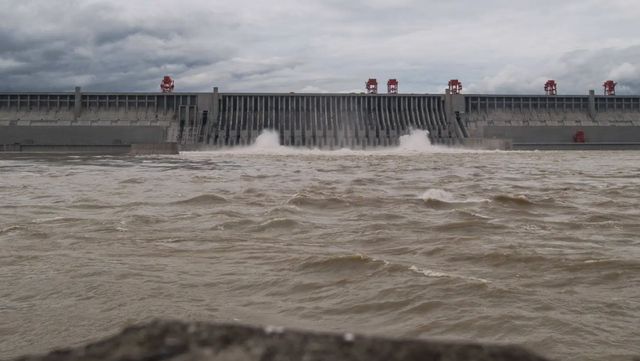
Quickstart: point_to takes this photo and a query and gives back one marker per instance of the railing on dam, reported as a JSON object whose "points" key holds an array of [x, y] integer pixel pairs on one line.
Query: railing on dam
{"points": [[333, 120]]}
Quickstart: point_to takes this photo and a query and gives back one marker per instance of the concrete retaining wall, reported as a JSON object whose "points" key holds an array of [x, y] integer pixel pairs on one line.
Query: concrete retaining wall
{"points": [[487, 144], [536, 110], [80, 135], [576, 146], [97, 149], [549, 134], [154, 148]]}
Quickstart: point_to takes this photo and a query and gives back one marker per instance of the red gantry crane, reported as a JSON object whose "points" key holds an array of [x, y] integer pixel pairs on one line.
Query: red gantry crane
{"points": [[167, 85], [392, 86], [372, 86], [610, 88], [455, 86], [550, 87]]}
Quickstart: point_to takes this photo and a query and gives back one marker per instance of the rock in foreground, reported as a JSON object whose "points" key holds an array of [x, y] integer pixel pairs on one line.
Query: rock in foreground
{"points": [[178, 341]]}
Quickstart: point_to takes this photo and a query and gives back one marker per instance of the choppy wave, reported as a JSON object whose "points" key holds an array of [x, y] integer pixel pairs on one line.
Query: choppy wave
{"points": [[430, 273], [278, 223], [520, 200], [133, 181], [414, 240], [203, 199], [441, 199], [340, 261]]}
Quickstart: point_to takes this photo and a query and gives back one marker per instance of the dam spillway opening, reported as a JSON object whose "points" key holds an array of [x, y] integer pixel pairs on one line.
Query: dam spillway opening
{"points": [[270, 142], [326, 122]]}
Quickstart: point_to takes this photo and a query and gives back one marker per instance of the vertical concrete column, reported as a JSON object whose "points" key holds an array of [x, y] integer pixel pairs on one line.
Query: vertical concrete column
{"points": [[592, 104], [321, 123], [77, 110], [212, 125], [341, 123], [215, 105], [308, 120], [379, 125], [247, 120], [297, 120], [448, 107]]}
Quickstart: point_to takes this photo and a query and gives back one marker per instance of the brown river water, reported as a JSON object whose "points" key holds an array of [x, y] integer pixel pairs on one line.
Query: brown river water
{"points": [[540, 249]]}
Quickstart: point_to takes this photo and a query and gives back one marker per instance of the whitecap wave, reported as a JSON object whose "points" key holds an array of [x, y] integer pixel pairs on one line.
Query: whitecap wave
{"points": [[440, 195], [430, 273]]}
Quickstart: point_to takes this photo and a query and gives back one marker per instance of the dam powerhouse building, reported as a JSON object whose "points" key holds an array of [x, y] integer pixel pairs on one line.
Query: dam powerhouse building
{"points": [[86, 121]]}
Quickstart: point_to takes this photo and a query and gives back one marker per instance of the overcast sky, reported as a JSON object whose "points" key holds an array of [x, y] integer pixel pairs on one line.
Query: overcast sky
{"points": [[491, 46]]}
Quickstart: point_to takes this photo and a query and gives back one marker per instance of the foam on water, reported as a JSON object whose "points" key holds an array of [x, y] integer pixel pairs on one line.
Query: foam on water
{"points": [[440, 195]]}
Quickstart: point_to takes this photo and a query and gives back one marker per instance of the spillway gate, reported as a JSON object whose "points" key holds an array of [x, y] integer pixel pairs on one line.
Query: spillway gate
{"points": [[333, 121]]}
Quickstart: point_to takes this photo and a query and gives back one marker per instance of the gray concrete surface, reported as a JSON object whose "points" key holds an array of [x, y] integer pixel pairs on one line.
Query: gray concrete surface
{"points": [[486, 144], [554, 134], [94, 149], [154, 148], [329, 121], [178, 341], [540, 110], [80, 135], [228, 119], [576, 146]]}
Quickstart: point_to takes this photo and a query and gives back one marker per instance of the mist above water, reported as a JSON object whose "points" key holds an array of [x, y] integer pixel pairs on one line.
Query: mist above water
{"points": [[417, 141]]}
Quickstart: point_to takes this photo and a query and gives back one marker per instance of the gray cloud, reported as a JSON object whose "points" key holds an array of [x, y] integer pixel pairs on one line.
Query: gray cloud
{"points": [[575, 72], [318, 45], [95, 47]]}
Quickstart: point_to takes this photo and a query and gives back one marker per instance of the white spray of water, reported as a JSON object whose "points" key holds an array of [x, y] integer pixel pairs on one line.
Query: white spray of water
{"points": [[268, 142], [268, 139], [416, 140], [438, 194], [441, 195]]}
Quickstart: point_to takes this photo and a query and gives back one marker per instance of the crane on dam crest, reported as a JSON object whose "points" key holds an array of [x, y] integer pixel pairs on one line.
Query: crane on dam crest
{"points": [[167, 85], [609, 88]]}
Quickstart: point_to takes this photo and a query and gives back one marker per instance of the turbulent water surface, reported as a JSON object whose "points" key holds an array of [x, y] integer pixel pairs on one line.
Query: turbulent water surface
{"points": [[533, 248]]}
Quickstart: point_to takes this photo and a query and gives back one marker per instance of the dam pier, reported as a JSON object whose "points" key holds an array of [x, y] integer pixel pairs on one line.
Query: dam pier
{"points": [[113, 122]]}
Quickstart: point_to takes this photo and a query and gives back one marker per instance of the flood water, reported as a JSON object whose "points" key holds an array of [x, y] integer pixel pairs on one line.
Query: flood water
{"points": [[539, 249]]}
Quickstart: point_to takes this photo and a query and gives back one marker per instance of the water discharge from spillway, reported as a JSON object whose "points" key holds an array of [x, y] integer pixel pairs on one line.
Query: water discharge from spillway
{"points": [[417, 141]]}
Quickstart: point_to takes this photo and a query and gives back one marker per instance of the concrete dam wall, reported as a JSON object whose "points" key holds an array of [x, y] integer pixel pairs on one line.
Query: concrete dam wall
{"points": [[93, 119], [356, 121], [334, 121], [549, 122], [223, 120], [505, 110]]}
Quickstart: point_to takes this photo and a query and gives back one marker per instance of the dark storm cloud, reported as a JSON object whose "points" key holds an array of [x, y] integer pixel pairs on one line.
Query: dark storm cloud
{"points": [[318, 45], [95, 47]]}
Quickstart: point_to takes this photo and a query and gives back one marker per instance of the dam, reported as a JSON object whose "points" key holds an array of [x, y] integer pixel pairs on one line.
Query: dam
{"points": [[36, 121]]}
